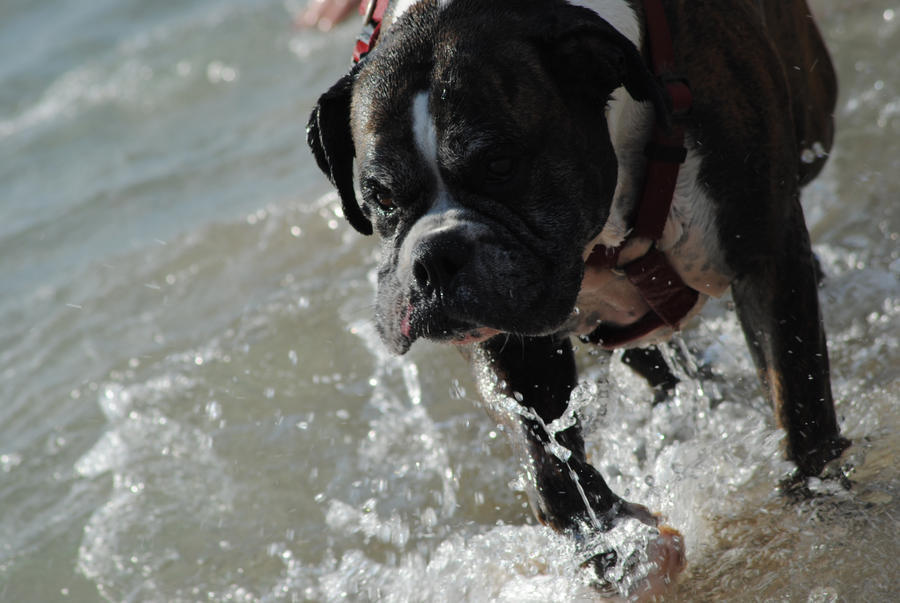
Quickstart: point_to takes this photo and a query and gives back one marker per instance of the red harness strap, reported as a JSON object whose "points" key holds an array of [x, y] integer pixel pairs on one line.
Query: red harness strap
{"points": [[668, 297], [372, 12]]}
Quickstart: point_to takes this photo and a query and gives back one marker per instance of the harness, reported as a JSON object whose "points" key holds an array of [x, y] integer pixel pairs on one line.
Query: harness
{"points": [[373, 13], [665, 293]]}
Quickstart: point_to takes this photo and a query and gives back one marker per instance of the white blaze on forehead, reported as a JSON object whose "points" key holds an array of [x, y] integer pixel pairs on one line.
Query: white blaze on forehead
{"points": [[426, 141], [444, 213], [424, 132]]}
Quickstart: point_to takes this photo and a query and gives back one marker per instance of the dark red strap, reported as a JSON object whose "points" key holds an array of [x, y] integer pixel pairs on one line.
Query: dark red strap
{"points": [[666, 151], [668, 297], [661, 287], [659, 37], [603, 257], [610, 337]]}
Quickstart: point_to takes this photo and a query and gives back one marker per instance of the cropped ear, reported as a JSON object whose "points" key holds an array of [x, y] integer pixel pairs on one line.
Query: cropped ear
{"points": [[592, 56], [328, 135]]}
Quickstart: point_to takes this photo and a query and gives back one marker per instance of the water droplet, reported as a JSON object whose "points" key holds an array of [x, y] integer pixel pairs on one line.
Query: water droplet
{"points": [[8, 462], [457, 391], [213, 410]]}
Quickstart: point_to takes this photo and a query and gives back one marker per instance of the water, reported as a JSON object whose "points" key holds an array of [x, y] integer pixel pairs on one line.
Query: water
{"points": [[195, 406]]}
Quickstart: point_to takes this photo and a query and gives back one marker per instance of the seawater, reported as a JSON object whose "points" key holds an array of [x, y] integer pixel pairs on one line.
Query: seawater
{"points": [[194, 404]]}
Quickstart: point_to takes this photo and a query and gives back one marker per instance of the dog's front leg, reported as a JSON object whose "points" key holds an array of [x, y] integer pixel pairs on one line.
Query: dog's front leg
{"points": [[526, 383], [778, 308]]}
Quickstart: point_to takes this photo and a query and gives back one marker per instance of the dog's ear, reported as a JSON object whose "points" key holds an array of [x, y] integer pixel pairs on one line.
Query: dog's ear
{"points": [[328, 135], [590, 55]]}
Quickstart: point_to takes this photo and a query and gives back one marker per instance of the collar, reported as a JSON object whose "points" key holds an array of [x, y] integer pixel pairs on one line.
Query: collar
{"points": [[373, 14], [665, 152], [670, 300]]}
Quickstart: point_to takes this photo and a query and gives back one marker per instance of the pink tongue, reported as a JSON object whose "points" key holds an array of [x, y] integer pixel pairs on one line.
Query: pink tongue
{"points": [[404, 324]]}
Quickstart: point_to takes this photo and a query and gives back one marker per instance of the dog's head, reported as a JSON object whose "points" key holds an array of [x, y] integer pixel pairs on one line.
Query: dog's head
{"points": [[474, 139]]}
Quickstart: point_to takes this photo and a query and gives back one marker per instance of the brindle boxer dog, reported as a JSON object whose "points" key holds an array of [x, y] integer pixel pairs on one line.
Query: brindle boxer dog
{"points": [[497, 145]]}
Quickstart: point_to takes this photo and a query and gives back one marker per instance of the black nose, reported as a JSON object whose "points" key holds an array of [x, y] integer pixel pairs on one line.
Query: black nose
{"points": [[437, 261]]}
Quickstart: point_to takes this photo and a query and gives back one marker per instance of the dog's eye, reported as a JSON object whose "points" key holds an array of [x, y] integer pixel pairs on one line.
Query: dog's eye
{"points": [[385, 202], [500, 168], [380, 196]]}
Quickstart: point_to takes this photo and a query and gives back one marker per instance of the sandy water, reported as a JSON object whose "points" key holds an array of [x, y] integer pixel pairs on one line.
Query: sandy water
{"points": [[194, 405]]}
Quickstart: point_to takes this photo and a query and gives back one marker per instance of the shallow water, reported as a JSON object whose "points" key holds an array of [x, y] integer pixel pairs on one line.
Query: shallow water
{"points": [[195, 406]]}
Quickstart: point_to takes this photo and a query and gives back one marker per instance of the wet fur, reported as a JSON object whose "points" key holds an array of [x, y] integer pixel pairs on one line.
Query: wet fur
{"points": [[530, 78]]}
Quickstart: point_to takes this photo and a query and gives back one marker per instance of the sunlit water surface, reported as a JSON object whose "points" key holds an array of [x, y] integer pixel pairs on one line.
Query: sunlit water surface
{"points": [[195, 405]]}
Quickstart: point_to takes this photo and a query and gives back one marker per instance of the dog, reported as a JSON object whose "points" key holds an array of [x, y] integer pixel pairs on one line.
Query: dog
{"points": [[542, 169]]}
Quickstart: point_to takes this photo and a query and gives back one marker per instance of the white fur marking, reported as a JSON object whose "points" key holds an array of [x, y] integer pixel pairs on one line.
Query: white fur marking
{"points": [[445, 213], [629, 127], [630, 124], [424, 132], [618, 14], [425, 137], [690, 236]]}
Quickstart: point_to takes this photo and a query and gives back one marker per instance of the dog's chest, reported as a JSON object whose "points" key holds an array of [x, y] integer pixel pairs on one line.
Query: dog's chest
{"points": [[690, 243]]}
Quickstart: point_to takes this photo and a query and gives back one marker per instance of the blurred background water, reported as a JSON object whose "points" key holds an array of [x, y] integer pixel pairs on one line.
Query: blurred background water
{"points": [[194, 405]]}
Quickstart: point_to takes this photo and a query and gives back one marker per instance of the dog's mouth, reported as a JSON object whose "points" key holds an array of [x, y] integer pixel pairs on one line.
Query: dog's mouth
{"points": [[508, 292], [431, 323]]}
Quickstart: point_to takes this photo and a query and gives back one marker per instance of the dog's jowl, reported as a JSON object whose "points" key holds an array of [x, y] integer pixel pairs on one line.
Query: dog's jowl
{"points": [[542, 169]]}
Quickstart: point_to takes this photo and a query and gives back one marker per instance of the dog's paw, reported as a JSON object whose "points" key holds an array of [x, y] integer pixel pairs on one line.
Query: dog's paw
{"points": [[645, 573], [815, 461], [835, 470], [839, 471]]}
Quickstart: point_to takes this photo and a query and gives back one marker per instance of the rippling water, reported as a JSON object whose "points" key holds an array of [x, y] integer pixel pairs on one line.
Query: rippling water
{"points": [[195, 406]]}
